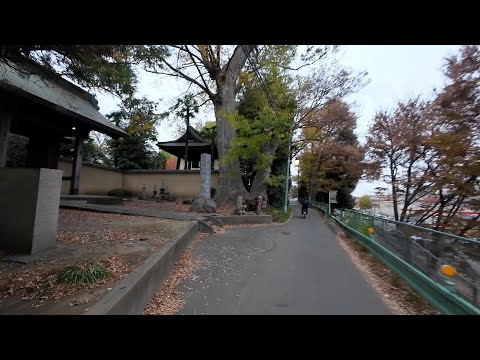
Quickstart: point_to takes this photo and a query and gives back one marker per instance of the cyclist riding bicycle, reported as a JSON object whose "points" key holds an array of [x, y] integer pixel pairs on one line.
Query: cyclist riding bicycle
{"points": [[305, 204]]}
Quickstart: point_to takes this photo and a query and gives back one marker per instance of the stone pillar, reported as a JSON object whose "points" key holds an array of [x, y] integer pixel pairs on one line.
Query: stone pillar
{"points": [[205, 175], [76, 165], [29, 207], [4, 132], [240, 207], [143, 193], [204, 203]]}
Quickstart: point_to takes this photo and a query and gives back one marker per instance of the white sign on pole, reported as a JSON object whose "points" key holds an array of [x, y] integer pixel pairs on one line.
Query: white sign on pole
{"points": [[332, 195]]}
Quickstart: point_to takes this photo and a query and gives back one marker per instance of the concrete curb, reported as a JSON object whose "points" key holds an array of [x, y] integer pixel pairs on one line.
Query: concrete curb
{"points": [[245, 219], [132, 294], [291, 216]]}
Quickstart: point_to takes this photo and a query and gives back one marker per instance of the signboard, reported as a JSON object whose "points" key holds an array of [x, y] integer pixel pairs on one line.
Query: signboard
{"points": [[332, 196]]}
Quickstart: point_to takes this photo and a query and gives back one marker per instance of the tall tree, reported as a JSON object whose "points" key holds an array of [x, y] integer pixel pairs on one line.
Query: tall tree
{"points": [[365, 202], [186, 108], [216, 71], [208, 132], [17, 151], [399, 143], [273, 105], [268, 103], [106, 67], [138, 118], [433, 148], [94, 154], [456, 140], [333, 158]]}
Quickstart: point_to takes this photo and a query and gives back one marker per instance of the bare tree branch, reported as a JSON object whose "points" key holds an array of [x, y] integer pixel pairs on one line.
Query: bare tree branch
{"points": [[186, 77]]}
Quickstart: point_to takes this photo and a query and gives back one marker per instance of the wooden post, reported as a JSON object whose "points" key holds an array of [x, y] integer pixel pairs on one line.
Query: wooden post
{"points": [[185, 167], [5, 122], [76, 165], [178, 162]]}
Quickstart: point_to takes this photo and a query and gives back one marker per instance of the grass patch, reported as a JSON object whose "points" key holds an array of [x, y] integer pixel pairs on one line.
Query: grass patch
{"points": [[84, 272], [360, 247], [414, 298], [278, 215], [395, 281]]}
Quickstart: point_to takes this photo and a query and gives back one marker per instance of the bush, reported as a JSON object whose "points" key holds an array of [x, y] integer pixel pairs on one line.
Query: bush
{"points": [[85, 272], [364, 230], [278, 215], [120, 193]]}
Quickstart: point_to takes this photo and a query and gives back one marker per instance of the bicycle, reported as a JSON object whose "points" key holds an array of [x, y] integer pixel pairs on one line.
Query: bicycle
{"points": [[304, 212]]}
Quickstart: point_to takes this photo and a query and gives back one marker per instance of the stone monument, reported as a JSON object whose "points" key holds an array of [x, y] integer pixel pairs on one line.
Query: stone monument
{"points": [[240, 206], [260, 204], [143, 193], [203, 203]]}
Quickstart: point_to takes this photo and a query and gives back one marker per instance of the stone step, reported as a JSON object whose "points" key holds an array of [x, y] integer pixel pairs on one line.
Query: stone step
{"points": [[213, 220], [204, 227]]}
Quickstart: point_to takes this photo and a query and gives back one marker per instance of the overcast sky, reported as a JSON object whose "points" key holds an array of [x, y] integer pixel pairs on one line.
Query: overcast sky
{"points": [[396, 72]]}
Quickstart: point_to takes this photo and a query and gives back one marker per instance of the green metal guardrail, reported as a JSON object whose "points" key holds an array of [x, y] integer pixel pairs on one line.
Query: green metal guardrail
{"points": [[320, 205], [392, 243]]}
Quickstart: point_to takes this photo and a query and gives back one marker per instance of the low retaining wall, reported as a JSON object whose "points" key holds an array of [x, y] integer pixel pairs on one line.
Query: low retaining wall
{"points": [[132, 294], [245, 219]]}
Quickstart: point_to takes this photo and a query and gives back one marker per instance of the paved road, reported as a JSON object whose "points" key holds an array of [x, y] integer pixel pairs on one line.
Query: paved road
{"points": [[296, 268]]}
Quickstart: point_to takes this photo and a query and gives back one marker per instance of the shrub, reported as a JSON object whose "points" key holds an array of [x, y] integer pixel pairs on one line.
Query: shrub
{"points": [[278, 215], [364, 230], [120, 193]]}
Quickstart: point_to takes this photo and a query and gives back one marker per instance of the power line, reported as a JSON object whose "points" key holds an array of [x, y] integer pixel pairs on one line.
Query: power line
{"points": [[263, 84], [274, 107]]}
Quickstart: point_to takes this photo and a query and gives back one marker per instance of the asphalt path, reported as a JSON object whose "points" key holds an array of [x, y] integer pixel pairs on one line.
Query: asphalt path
{"points": [[297, 268]]}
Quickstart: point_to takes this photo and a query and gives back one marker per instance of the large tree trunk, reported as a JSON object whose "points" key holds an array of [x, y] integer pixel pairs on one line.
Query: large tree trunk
{"points": [[225, 76], [259, 184], [230, 183]]}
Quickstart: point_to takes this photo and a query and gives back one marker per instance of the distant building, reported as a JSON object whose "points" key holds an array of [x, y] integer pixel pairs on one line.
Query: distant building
{"points": [[171, 164], [196, 146]]}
